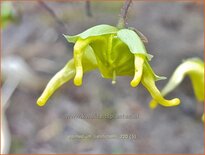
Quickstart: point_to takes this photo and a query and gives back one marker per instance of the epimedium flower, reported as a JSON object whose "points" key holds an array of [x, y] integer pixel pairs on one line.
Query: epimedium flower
{"points": [[194, 69], [114, 52]]}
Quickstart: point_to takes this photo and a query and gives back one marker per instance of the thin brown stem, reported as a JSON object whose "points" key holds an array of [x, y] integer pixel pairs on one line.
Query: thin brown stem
{"points": [[88, 8], [123, 14], [52, 13]]}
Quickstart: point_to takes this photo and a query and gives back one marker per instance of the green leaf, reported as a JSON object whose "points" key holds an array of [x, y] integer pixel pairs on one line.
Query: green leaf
{"points": [[94, 31], [133, 41]]}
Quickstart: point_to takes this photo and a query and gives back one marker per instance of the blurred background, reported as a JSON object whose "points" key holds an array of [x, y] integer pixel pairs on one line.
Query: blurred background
{"points": [[33, 50]]}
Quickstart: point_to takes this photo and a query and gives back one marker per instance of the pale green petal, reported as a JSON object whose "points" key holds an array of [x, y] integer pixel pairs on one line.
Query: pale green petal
{"points": [[89, 60], [133, 41], [140, 34], [93, 31], [148, 80], [194, 68], [156, 77]]}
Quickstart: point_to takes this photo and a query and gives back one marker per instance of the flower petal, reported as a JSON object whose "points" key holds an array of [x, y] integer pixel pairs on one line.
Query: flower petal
{"points": [[148, 81], [139, 62], [192, 67], [59, 79], [133, 41], [93, 31], [140, 34], [79, 50], [68, 72]]}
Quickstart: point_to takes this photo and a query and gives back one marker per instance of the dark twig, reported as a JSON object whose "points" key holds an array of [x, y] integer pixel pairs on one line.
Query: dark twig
{"points": [[53, 14], [123, 14], [88, 8]]}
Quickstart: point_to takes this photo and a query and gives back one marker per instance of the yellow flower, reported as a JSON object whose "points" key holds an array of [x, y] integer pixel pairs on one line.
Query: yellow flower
{"points": [[115, 52], [194, 68]]}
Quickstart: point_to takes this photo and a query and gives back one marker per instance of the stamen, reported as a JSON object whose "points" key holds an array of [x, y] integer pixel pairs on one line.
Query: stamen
{"points": [[114, 77], [139, 61]]}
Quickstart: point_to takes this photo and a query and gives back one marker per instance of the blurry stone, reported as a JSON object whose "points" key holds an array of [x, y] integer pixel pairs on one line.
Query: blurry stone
{"points": [[16, 68], [50, 131], [81, 126]]}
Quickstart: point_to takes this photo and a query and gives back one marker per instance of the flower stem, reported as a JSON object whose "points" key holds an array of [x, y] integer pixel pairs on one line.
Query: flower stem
{"points": [[88, 8], [123, 14], [53, 15]]}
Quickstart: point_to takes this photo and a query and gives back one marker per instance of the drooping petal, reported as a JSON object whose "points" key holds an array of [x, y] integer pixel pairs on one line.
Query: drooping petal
{"points": [[101, 47], [140, 34], [123, 59], [79, 49], [58, 80], [197, 78], [89, 60], [149, 69], [194, 68], [139, 62], [98, 30], [84, 59], [148, 80], [67, 73], [133, 41]]}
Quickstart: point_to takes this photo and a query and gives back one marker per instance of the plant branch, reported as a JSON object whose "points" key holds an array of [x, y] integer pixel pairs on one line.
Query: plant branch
{"points": [[88, 8], [52, 13], [123, 14]]}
